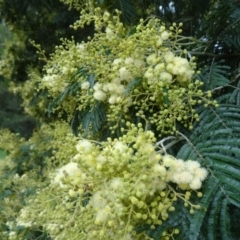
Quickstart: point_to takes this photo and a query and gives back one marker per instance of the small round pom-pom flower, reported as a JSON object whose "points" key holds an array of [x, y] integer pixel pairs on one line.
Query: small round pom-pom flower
{"points": [[85, 85], [69, 170], [83, 145], [100, 95]]}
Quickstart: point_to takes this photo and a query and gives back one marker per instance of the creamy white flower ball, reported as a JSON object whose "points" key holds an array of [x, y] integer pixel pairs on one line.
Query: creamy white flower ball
{"points": [[100, 95], [85, 85], [83, 145]]}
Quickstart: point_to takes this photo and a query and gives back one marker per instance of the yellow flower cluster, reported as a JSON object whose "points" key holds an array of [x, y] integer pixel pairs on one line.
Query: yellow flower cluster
{"points": [[110, 188], [142, 72], [126, 183], [187, 174]]}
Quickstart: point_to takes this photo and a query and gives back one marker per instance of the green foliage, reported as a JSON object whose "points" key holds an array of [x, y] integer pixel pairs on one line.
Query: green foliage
{"points": [[133, 84], [215, 143], [2, 154], [227, 16], [91, 119], [4, 37], [214, 75], [127, 8], [221, 31], [11, 113], [235, 95]]}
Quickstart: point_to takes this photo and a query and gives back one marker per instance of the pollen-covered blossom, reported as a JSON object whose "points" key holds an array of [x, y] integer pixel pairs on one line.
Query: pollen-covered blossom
{"points": [[109, 32], [152, 59], [201, 173], [99, 95], [85, 85], [101, 216], [159, 41], [160, 170], [69, 170], [51, 81], [129, 61], [129, 163], [149, 74], [114, 186], [168, 161], [117, 61], [80, 47], [119, 146], [165, 35], [83, 145], [139, 63], [196, 183], [113, 91], [125, 74], [97, 201], [165, 76], [187, 173], [23, 219]]}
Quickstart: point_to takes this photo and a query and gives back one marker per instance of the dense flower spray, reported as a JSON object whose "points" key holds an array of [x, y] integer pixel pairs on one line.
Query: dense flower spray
{"points": [[109, 188], [113, 187], [141, 71]]}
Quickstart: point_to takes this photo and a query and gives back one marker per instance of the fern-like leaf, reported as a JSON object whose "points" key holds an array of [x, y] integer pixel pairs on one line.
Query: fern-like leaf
{"points": [[127, 9], [91, 119], [215, 144], [72, 89], [225, 221], [235, 96], [134, 83], [213, 216], [214, 75], [210, 188]]}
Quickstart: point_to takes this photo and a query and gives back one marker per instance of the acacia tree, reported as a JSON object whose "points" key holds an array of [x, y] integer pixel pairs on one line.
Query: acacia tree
{"points": [[142, 145]]}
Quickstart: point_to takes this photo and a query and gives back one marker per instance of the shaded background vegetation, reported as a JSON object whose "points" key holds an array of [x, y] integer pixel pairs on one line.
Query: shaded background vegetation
{"points": [[45, 22]]}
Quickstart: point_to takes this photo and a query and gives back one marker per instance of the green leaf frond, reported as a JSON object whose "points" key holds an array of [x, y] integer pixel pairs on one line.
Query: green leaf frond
{"points": [[210, 188], [90, 119], [215, 144], [227, 16], [214, 75], [220, 30], [127, 8], [215, 207], [133, 84], [72, 89], [225, 220], [235, 95]]}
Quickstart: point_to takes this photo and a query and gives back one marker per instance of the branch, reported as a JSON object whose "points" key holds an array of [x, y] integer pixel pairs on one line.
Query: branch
{"points": [[164, 148]]}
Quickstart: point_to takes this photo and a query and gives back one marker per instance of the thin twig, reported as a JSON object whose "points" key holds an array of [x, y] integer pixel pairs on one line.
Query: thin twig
{"points": [[164, 148]]}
